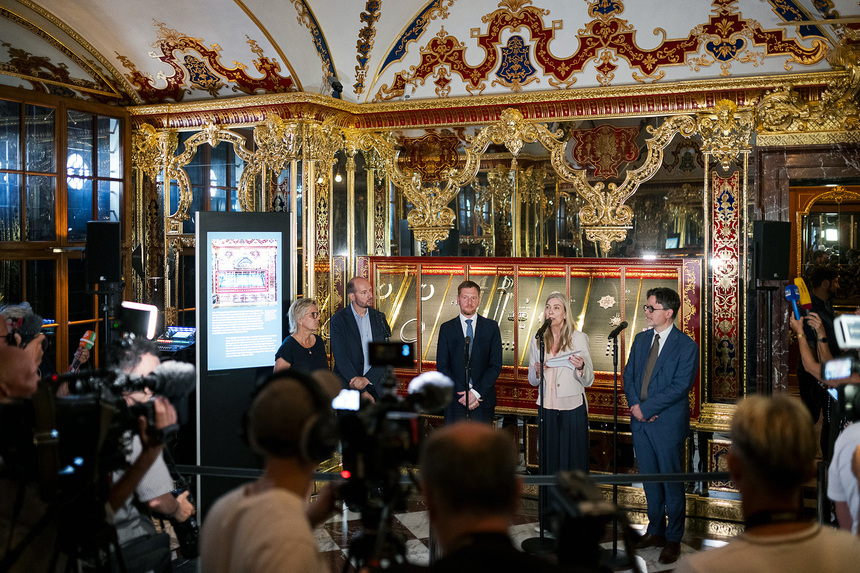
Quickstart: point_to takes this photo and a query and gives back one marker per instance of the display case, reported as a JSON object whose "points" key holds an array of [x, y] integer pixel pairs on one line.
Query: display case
{"points": [[419, 294]]}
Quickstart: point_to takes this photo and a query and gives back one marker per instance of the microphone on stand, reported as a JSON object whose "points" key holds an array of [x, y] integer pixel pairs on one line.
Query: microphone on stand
{"points": [[543, 328], [87, 342], [617, 331], [466, 353]]}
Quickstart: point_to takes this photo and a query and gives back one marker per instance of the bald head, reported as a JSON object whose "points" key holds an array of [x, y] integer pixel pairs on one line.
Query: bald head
{"points": [[470, 468], [19, 374], [360, 293]]}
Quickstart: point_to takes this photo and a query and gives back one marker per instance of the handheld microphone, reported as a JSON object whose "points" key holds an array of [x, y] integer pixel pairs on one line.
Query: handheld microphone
{"points": [[805, 299], [792, 295], [543, 328], [87, 342], [617, 331]]}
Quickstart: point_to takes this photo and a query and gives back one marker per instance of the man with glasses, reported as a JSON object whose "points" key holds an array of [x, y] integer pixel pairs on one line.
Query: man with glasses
{"points": [[657, 380]]}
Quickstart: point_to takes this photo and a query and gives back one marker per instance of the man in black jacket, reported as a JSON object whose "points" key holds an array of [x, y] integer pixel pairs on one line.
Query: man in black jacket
{"points": [[351, 329]]}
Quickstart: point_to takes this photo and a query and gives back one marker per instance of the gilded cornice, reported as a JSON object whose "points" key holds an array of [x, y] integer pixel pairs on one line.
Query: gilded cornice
{"points": [[715, 417], [588, 103], [118, 78]]}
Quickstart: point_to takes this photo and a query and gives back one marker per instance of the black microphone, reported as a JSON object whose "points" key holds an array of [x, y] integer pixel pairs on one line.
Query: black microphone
{"points": [[543, 328], [468, 341], [617, 331]]}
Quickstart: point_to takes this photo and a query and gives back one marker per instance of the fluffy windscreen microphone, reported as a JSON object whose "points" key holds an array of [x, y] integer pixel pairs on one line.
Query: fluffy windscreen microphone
{"points": [[170, 379], [431, 391]]}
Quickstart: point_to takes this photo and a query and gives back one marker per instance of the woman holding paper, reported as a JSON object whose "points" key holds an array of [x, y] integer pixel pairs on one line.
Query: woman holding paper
{"points": [[567, 373]]}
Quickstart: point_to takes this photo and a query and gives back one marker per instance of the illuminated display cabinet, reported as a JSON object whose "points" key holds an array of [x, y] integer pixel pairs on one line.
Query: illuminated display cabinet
{"points": [[419, 294]]}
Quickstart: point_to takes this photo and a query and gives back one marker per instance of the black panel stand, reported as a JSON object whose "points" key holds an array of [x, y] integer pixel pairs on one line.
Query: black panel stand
{"points": [[112, 293], [541, 545], [768, 377]]}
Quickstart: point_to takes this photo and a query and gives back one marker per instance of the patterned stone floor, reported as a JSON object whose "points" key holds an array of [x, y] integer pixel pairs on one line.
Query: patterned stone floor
{"points": [[334, 539]]}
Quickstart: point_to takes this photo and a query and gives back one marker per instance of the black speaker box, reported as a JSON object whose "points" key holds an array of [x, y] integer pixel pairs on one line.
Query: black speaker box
{"points": [[103, 252], [771, 250]]}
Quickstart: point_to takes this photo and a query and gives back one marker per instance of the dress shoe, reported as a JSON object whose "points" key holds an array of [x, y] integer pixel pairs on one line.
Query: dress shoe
{"points": [[670, 553], [649, 540]]}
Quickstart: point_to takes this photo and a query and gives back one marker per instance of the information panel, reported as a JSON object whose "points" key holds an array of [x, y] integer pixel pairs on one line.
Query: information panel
{"points": [[244, 292]]}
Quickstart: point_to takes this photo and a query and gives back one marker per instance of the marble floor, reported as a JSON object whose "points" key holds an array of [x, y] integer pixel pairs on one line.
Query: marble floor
{"points": [[412, 526]]}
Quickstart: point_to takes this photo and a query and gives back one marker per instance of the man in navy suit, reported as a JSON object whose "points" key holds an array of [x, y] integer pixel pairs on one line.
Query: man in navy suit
{"points": [[485, 350], [657, 380], [351, 329]]}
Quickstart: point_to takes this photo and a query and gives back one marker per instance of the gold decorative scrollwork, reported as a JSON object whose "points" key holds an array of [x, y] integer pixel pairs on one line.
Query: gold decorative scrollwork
{"points": [[150, 149], [836, 195], [606, 214], [213, 135], [726, 132], [784, 110]]}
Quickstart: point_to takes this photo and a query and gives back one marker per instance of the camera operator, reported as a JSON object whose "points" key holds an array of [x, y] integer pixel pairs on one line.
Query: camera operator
{"points": [[24, 512], [265, 525], [471, 489], [148, 482]]}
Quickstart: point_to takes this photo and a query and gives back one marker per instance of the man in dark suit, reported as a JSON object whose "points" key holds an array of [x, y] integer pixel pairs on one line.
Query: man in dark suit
{"points": [[657, 380], [485, 352], [351, 329]]}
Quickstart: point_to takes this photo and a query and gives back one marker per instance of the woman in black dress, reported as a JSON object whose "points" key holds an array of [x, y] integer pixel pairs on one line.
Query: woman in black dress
{"points": [[302, 350]]}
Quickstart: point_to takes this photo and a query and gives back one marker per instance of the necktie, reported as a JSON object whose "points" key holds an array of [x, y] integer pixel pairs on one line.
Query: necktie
{"points": [[470, 333], [649, 366]]}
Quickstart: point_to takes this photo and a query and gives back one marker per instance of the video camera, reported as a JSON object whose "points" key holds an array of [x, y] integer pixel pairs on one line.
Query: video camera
{"points": [[379, 440], [65, 448], [847, 328]]}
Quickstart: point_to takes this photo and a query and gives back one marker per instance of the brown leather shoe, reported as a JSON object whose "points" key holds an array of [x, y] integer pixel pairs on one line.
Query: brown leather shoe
{"points": [[649, 540], [670, 553]]}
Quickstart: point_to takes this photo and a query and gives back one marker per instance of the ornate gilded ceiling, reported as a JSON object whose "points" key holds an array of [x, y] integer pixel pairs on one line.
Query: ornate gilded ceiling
{"points": [[162, 51]]}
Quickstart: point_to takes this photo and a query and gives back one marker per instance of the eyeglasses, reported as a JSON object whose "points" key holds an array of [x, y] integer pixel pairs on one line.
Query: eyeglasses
{"points": [[649, 308], [314, 314]]}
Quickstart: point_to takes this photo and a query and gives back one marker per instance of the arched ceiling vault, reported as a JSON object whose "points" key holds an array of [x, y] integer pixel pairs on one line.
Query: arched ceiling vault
{"points": [[462, 56]]}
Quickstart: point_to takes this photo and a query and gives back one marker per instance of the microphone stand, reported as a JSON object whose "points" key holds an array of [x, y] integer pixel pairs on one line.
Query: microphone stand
{"points": [[540, 545], [615, 443], [619, 559], [467, 361]]}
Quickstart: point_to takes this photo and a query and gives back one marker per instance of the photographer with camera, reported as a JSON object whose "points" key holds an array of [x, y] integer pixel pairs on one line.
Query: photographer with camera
{"points": [[266, 525], [149, 482], [31, 521], [470, 486]]}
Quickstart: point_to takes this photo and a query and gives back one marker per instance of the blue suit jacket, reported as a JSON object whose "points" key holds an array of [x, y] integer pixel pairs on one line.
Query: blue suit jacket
{"points": [[346, 345], [671, 380], [486, 358]]}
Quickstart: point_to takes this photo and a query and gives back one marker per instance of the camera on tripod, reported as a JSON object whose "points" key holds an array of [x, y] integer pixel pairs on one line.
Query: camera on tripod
{"points": [[379, 442]]}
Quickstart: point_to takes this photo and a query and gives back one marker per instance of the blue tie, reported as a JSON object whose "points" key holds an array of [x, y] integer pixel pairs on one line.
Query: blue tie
{"points": [[470, 333]]}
